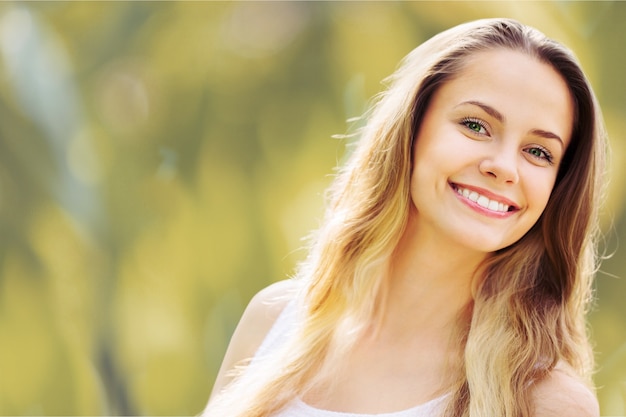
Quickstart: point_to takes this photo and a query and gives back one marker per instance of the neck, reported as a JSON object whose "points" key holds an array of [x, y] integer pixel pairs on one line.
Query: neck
{"points": [[430, 282]]}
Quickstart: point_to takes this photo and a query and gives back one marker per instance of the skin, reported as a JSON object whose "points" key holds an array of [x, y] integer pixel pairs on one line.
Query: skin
{"points": [[489, 130], [493, 129]]}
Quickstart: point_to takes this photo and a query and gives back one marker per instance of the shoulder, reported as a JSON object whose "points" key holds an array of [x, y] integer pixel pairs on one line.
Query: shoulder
{"points": [[264, 309], [564, 394], [255, 323]]}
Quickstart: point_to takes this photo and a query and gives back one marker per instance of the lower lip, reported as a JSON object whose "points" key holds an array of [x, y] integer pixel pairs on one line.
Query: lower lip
{"points": [[480, 209]]}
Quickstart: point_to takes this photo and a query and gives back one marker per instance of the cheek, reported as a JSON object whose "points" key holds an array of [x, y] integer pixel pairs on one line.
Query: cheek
{"points": [[539, 196]]}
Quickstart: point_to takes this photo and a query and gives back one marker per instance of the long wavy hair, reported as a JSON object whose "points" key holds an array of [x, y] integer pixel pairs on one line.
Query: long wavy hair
{"points": [[529, 300]]}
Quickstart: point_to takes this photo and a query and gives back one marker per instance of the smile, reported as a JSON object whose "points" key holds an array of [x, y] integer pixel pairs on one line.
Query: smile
{"points": [[483, 201]]}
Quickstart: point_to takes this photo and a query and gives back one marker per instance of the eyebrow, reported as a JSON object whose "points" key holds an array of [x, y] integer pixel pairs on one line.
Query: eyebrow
{"points": [[487, 109], [547, 135], [500, 118]]}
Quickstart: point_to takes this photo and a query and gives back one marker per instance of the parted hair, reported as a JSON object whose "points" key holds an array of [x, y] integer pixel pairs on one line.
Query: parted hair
{"points": [[529, 299]]}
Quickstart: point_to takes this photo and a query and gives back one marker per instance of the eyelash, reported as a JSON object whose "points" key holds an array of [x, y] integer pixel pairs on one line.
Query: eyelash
{"points": [[547, 156], [470, 120]]}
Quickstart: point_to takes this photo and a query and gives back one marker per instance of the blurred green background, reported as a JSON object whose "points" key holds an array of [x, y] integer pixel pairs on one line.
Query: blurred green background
{"points": [[160, 163]]}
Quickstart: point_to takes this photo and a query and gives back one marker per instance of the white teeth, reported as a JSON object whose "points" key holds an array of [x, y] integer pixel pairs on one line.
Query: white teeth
{"points": [[482, 201]]}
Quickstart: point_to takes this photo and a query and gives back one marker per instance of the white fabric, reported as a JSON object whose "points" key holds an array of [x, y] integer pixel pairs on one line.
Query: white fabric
{"points": [[285, 324], [433, 408], [281, 329]]}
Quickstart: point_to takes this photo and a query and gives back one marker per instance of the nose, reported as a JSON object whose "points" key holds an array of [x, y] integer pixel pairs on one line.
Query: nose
{"points": [[501, 165]]}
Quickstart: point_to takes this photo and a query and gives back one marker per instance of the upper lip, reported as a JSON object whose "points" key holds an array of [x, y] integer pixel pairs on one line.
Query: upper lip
{"points": [[490, 195]]}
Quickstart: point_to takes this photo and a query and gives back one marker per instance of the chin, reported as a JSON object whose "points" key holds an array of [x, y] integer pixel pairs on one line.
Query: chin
{"points": [[486, 244]]}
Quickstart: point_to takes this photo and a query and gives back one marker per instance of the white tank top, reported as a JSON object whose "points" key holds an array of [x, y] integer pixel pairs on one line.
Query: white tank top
{"points": [[285, 324]]}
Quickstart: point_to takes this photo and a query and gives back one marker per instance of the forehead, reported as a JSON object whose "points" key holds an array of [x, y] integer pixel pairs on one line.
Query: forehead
{"points": [[519, 86]]}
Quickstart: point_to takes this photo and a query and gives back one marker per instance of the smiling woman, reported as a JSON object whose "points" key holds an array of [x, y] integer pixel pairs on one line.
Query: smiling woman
{"points": [[487, 142], [452, 274]]}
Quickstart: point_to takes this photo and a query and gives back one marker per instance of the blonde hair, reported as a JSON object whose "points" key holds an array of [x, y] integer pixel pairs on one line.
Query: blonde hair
{"points": [[530, 300]]}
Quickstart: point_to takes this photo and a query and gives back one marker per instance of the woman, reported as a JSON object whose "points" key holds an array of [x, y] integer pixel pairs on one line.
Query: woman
{"points": [[452, 274]]}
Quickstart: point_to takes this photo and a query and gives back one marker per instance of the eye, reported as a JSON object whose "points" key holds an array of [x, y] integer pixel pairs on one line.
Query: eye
{"points": [[476, 126], [540, 153]]}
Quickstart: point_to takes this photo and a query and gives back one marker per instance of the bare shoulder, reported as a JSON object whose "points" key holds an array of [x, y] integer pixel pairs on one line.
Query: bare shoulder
{"points": [[564, 394], [255, 323], [260, 315]]}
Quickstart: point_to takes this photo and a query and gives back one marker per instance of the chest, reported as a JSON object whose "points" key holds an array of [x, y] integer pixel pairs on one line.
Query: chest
{"points": [[382, 377]]}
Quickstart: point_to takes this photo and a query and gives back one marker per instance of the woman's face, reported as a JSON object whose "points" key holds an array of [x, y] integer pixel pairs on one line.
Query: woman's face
{"points": [[488, 150]]}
